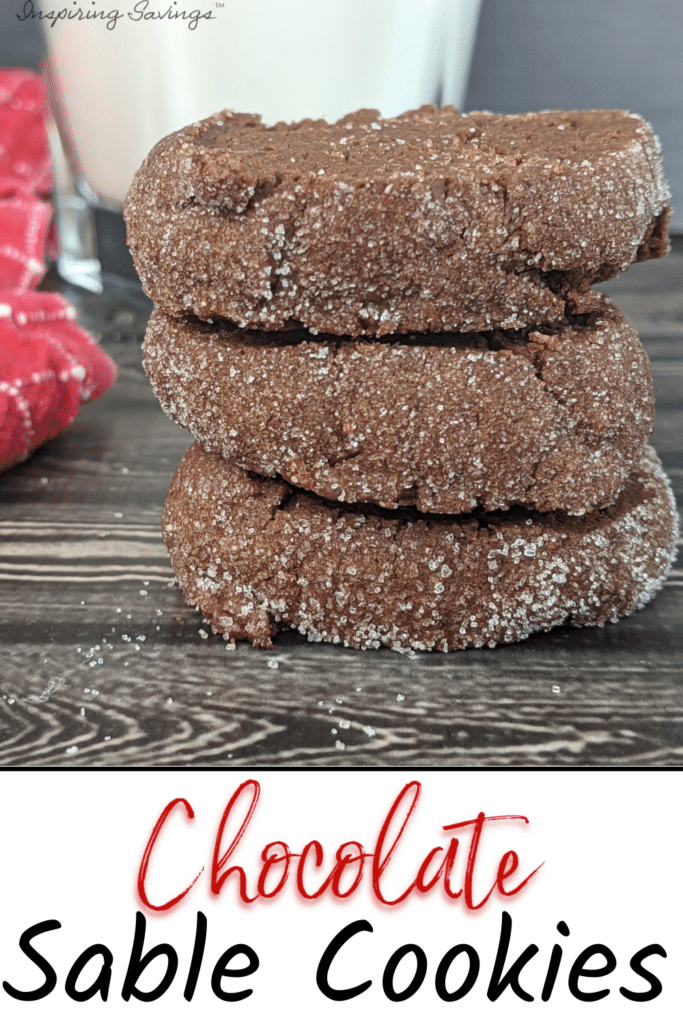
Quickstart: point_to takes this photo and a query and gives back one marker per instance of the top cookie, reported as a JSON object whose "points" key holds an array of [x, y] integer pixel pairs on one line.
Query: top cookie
{"points": [[431, 221]]}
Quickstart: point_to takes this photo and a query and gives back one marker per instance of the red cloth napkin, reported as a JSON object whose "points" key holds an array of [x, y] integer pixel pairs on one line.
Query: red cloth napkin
{"points": [[25, 179], [25, 167], [49, 365]]}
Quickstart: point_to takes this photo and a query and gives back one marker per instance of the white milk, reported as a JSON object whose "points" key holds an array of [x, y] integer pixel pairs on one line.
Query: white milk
{"points": [[118, 91]]}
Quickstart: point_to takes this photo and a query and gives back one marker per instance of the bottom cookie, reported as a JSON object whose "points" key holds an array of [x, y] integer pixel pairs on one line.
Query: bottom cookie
{"points": [[256, 555]]}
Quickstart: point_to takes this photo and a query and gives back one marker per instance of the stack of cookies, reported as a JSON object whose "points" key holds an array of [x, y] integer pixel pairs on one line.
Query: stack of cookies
{"points": [[417, 423]]}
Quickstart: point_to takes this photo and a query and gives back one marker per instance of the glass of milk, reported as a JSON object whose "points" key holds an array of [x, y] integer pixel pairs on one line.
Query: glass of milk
{"points": [[122, 76]]}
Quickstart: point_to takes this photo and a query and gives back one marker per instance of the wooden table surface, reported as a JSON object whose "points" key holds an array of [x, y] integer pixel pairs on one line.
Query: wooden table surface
{"points": [[102, 663]]}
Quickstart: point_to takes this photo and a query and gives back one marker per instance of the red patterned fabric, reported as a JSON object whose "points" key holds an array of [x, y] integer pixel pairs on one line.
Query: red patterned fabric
{"points": [[23, 231], [49, 365], [25, 167], [25, 179]]}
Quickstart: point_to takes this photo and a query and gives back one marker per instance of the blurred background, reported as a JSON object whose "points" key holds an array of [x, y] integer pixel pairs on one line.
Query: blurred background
{"points": [[531, 55], [549, 54]]}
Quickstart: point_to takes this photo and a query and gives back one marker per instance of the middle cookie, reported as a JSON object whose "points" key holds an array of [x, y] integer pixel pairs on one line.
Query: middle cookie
{"points": [[553, 419]]}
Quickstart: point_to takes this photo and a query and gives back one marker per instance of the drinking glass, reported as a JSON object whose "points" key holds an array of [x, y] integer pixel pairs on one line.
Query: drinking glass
{"points": [[120, 78]]}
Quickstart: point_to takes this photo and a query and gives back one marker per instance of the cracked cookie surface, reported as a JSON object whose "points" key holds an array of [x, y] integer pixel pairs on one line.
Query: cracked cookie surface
{"points": [[430, 221], [257, 555], [553, 419]]}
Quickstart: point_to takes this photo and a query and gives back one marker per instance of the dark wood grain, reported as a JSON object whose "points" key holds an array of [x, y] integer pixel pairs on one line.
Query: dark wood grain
{"points": [[102, 664]]}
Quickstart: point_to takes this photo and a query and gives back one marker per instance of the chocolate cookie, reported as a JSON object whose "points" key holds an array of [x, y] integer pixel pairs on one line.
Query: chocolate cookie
{"points": [[430, 221], [256, 555], [553, 419]]}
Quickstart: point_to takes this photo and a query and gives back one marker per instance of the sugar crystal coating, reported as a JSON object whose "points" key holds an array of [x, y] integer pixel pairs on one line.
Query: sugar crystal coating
{"points": [[419, 232], [445, 422], [257, 555], [430, 221]]}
